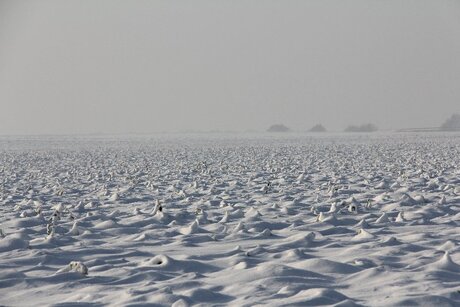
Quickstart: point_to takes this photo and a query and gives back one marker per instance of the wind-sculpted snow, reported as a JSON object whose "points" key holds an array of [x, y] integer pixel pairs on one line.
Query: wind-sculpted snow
{"points": [[343, 220]]}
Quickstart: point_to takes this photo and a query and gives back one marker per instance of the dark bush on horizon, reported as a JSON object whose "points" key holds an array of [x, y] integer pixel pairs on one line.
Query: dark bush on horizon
{"points": [[278, 128], [317, 128], [452, 123]]}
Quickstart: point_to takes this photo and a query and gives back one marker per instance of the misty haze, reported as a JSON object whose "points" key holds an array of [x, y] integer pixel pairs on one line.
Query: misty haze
{"points": [[229, 153], [172, 66]]}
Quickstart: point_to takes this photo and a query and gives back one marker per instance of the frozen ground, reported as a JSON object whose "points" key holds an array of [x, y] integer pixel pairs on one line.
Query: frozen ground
{"points": [[346, 220]]}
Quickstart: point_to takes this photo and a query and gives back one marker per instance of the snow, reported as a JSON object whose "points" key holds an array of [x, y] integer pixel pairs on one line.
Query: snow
{"points": [[240, 220]]}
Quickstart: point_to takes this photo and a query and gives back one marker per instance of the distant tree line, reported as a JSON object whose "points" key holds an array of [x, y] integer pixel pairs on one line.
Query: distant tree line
{"points": [[451, 124], [362, 128], [321, 128]]}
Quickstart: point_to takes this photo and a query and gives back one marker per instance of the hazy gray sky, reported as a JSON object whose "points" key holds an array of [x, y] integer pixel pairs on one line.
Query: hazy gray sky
{"points": [[146, 66]]}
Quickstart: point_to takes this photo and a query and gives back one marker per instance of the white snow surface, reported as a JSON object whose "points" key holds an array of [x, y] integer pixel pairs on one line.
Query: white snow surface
{"points": [[303, 220]]}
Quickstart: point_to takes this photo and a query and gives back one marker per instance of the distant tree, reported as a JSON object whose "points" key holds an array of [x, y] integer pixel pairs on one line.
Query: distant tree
{"points": [[278, 128], [318, 128], [362, 128], [452, 123]]}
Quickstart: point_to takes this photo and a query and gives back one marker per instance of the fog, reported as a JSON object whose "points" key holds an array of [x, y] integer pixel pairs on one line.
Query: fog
{"points": [[153, 66]]}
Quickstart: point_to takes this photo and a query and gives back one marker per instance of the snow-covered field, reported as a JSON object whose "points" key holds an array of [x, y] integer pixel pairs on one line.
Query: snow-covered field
{"points": [[345, 220]]}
